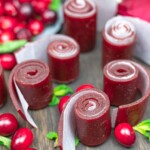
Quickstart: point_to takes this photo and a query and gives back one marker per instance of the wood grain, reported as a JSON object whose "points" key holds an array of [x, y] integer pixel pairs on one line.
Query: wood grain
{"points": [[47, 118]]}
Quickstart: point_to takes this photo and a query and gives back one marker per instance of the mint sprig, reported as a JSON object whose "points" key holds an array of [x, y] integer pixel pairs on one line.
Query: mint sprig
{"points": [[55, 5], [62, 90], [55, 101], [143, 128], [5, 142]]}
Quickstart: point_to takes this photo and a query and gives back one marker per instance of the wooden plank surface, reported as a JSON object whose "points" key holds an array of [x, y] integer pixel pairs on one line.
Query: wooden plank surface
{"points": [[47, 118]]}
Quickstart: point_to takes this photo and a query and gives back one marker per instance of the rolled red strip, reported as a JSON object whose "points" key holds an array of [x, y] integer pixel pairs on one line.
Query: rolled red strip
{"points": [[3, 91], [80, 22], [88, 113], [33, 78], [63, 56], [120, 82], [118, 40]]}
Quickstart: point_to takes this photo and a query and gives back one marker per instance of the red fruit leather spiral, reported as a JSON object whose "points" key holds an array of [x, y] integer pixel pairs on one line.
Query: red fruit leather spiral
{"points": [[34, 81], [89, 114], [3, 91], [118, 40], [63, 56], [132, 112], [120, 82], [80, 22]]}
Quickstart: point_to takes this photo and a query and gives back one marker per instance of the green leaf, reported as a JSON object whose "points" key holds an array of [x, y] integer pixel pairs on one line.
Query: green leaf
{"points": [[145, 122], [52, 135], [11, 46], [62, 90], [55, 101], [77, 141], [5, 141], [55, 5]]}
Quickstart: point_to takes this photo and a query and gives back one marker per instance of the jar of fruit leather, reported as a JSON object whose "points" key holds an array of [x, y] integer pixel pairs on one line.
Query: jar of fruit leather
{"points": [[118, 40], [34, 81], [3, 91], [80, 22], [92, 116], [63, 56], [120, 82]]}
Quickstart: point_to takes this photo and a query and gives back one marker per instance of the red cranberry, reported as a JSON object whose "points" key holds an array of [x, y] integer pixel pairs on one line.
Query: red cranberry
{"points": [[39, 6], [7, 23], [49, 17], [10, 9], [24, 34], [8, 61], [8, 124], [19, 26], [24, 1], [35, 27], [1, 8], [125, 134], [25, 11], [6, 36], [62, 103]]}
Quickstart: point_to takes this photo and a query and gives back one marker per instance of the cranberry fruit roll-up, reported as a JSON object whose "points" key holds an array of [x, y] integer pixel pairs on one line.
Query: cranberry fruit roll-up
{"points": [[120, 82], [63, 56], [118, 40], [3, 91], [33, 78], [80, 22], [92, 117]]}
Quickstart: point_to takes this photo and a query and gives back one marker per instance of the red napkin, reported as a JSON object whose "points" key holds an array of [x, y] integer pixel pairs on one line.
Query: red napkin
{"points": [[135, 8]]}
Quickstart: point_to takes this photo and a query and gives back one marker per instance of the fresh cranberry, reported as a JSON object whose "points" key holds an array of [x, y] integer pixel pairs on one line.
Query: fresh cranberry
{"points": [[125, 134], [8, 124], [84, 86], [19, 26], [10, 9], [6, 36], [25, 11], [1, 8], [24, 34], [35, 27], [22, 139], [62, 103], [39, 6], [49, 16], [7, 23], [8, 61]]}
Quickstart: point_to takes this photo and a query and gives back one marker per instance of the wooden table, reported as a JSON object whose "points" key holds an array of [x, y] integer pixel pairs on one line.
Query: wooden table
{"points": [[47, 118]]}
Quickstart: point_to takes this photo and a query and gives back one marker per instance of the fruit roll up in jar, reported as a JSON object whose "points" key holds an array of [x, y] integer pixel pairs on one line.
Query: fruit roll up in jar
{"points": [[33, 78], [120, 82], [3, 91], [118, 39], [80, 22], [63, 56], [92, 117]]}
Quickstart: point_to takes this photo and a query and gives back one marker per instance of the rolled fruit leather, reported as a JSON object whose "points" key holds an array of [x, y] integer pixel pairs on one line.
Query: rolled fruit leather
{"points": [[33, 78], [80, 22], [63, 57], [3, 91], [88, 112], [129, 110], [118, 39], [120, 82]]}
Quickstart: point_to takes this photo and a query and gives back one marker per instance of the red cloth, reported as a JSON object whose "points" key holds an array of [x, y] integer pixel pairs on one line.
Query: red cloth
{"points": [[135, 8]]}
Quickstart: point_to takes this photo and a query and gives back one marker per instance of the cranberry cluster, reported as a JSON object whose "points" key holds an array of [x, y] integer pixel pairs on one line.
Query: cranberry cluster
{"points": [[23, 19]]}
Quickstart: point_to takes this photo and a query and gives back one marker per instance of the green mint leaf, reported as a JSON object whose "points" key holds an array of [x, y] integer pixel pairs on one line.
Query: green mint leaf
{"points": [[62, 90], [5, 141], [77, 141], [55, 5], [145, 122], [10, 46], [55, 101], [52, 135]]}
